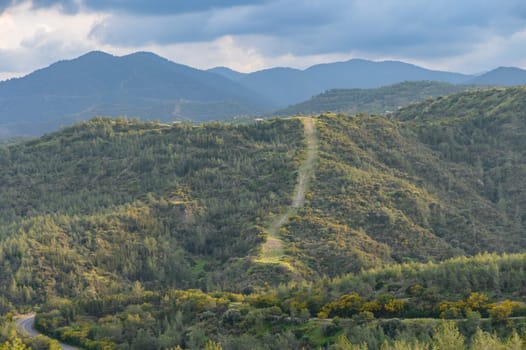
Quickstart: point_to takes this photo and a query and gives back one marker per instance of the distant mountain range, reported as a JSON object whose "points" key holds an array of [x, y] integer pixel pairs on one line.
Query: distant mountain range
{"points": [[138, 85], [151, 87], [502, 76], [286, 86]]}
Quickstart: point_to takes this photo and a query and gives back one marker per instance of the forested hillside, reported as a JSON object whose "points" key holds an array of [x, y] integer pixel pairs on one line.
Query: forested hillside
{"points": [[105, 203], [383, 100], [383, 193], [147, 235], [496, 103]]}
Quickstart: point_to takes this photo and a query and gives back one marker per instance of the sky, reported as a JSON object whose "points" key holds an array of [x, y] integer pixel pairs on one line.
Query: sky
{"points": [[468, 36]]}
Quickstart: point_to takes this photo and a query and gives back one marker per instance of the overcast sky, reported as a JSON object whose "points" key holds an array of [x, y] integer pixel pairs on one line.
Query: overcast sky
{"points": [[467, 36]]}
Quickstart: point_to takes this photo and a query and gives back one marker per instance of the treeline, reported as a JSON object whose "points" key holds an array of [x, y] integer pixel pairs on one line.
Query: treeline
{"points": [[445, 336], [403, 302], [417, 290]]}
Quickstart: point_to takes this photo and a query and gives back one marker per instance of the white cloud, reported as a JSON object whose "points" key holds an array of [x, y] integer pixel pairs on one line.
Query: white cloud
{"points": [[239, 53], [38, 37], [494, 51], [470, 36]]}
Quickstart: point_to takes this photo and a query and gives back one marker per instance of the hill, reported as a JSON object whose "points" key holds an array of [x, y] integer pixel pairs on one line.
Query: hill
{"points": [[285, 86], [193, 199], [111, 225], [140, 84], [227, 73], [495, 103], [381, 100], [384, 191], [502, 76], [411, 191]]}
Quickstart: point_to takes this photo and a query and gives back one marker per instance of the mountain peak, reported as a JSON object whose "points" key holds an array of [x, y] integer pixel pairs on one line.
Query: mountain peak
{"points": [[505, 76], [95, 54], [227, 73], [140, 84], [101, 55], [143, 55], [507, 69]]}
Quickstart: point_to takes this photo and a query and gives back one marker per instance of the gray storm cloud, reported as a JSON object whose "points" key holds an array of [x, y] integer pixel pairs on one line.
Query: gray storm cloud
{"points": [[418, 30]]}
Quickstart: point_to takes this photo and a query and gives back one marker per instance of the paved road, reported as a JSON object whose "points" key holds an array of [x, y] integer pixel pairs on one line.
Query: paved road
{"points": [[26, 324]]}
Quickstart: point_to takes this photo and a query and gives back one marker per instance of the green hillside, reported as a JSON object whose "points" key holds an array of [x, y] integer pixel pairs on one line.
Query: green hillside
{"points": [[390, 308], [105, 203], [137, 233], [496, 103], [383, 100], [383, 193]]}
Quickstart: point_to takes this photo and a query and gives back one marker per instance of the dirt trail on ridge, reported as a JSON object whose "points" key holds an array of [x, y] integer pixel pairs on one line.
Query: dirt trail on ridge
{"points": [[272, 250]]}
